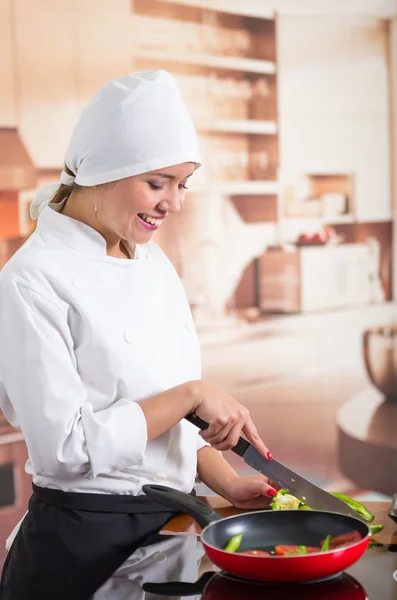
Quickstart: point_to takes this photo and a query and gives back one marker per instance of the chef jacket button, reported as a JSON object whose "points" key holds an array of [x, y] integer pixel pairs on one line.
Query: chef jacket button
{"points": [[78, 285], [160, 477], [129, 337], [159, 557], [189, 325]]}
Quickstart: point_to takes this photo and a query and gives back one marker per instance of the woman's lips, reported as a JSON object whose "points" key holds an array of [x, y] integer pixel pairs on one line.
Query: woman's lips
{"points": [[150, 223]]}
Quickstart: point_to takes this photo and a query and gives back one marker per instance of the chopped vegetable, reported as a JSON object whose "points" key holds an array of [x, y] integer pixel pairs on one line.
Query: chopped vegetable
{"points": [[376, 529], [345, 539], [326, 545], [285, 501], [289, 550], [234, 543], [283, 550], [356, 506], [255, 553]]}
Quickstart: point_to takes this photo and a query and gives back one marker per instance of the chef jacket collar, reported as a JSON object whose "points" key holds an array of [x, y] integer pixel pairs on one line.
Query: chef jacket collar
{"points": [[75, 234]]}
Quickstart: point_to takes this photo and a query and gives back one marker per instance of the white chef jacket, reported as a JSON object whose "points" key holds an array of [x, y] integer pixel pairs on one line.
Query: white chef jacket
{"points": [[84, 337]]}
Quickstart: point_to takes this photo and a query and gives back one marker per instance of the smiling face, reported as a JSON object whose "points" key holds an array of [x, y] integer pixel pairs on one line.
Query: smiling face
{"points": [[133, 208]]}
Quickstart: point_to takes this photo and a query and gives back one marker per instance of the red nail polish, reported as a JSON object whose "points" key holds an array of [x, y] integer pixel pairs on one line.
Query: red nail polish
{"points": [[271, 492], [269, 455]]}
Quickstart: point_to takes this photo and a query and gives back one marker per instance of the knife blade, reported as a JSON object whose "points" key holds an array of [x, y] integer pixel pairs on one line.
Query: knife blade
{"points": [[309, 493]]}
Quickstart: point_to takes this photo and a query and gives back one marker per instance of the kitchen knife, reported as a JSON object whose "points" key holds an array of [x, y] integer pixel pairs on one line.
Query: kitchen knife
{"points": [[307, 492]]}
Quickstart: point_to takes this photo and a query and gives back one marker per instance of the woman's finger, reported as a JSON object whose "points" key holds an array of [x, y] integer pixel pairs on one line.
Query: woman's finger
{"points": [[220, 436], [231, 440], [259, 486], [215, 426], [258, 503], [252, 436]]}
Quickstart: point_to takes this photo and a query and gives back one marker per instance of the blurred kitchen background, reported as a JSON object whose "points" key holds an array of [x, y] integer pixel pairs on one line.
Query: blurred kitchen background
{"points": [[286, 243]]}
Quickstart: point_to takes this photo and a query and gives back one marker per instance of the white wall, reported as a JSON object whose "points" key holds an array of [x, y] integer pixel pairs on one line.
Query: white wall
{"points": [[8, 117], [334, 103]]}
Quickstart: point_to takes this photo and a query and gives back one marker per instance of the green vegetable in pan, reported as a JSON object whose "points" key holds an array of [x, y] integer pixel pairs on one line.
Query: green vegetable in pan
{"points": [[234, 543], [326, 544]]}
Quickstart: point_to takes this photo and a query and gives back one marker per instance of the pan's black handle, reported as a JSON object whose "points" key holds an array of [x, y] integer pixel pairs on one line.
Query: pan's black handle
{"points": [[203, 514], [179, 588], [241, 446]]}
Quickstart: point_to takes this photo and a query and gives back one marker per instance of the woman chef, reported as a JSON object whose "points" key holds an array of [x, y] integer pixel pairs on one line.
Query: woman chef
{"points": [[99, 360]]}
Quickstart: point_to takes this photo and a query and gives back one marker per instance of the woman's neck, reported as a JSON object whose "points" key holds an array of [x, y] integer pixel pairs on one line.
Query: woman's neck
{"points": [[84, 212]]}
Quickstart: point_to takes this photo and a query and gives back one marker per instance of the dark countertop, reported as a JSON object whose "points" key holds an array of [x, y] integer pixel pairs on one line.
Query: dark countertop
{"points": [[176, 555]]}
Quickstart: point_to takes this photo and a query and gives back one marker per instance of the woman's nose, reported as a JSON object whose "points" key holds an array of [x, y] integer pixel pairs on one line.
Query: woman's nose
{"points": [[172, 202]]}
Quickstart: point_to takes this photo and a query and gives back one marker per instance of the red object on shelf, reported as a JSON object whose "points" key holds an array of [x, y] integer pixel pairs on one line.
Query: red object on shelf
{"points": [[9, 215]]}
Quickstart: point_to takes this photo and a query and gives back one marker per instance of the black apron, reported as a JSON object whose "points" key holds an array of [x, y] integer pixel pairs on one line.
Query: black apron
{"points": [[70, 543]]}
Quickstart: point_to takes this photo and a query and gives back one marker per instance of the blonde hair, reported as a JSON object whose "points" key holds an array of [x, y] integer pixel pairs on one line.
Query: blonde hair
{"points": [[60, 195], [63, 190]]}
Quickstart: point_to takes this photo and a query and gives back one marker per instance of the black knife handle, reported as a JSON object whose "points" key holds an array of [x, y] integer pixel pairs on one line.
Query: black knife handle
{"points": [[241, 446]]}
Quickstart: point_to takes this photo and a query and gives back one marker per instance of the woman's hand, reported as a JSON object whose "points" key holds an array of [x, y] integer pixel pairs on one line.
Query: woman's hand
{"points": [[251, 493], [227, 419]]}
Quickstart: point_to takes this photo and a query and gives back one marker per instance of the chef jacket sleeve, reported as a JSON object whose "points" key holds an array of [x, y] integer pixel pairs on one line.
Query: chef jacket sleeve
{"points": [[64, 435], [201, 443]]}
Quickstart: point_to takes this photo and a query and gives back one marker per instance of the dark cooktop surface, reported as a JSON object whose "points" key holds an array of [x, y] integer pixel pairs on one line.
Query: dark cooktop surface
{"points": [[175, 565]]}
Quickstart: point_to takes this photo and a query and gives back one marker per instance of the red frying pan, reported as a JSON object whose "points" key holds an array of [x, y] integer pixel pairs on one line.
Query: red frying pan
{"points": [[263, 530]]}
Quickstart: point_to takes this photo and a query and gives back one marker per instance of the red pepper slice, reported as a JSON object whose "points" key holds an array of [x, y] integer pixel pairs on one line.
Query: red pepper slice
{"points": [[294, 550], [281, 550], [345, 539], [255, 553]]}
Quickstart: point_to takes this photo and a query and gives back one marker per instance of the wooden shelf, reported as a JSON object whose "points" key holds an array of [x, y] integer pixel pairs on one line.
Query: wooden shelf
{"points": [[249, 188], [248, 65], [248, 8], [341, 219], [316, 221], [255, 127]]}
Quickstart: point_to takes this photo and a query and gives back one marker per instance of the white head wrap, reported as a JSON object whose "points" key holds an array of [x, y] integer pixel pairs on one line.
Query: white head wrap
{"points": [[134, 124]]}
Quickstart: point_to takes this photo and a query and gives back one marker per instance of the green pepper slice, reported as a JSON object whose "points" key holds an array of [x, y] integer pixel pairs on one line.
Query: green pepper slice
{"points": [[326, 544], [234, 543], [376, 529], [357, 506]]}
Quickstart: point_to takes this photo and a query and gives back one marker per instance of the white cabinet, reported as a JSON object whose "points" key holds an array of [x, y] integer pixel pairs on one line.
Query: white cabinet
{"points": [[334, 277], [315, 278]]}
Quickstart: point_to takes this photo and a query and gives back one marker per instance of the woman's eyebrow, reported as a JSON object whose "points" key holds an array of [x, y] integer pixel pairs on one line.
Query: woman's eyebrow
{"points": [[169, 176]]}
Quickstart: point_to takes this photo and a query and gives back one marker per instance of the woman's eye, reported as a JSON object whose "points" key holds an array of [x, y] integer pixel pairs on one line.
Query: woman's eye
{"points": [[155, 186]]}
